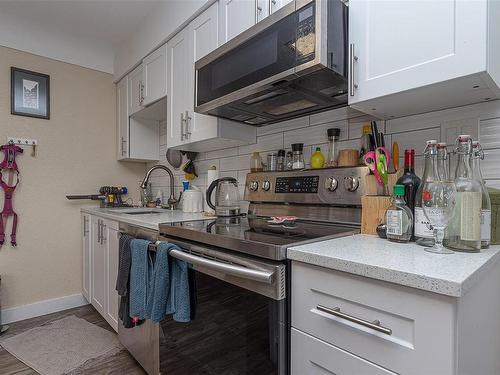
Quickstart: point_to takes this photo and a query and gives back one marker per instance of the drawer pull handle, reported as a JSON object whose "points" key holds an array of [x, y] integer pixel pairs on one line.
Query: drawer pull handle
{"points": [[375, 325]]}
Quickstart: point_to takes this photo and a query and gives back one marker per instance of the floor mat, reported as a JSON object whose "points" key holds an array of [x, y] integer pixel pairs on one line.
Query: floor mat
{"points": [[61, 346]]}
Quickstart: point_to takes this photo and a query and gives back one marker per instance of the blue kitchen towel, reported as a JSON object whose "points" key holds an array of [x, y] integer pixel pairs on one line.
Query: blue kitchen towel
{"points": [[169, 287], [159, 291], [179, 290], [140, 276]]}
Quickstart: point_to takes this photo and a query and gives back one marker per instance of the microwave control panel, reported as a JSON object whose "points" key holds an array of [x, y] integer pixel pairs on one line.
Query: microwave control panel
{"points": [[306, 38]]}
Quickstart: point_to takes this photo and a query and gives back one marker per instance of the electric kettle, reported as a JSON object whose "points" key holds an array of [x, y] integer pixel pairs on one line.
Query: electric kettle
{"points": [[227, 199]]}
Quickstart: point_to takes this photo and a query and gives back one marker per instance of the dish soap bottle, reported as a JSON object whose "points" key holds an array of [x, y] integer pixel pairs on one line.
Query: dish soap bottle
{"points": [[398, 217], [317, 159]]}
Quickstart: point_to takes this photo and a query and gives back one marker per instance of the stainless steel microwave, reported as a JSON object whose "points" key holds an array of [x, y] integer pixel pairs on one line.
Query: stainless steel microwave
{"points": [[292, 63]]}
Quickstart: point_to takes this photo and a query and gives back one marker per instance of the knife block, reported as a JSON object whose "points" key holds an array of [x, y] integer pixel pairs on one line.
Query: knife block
{"points": [[372, 188], [373, 212]]}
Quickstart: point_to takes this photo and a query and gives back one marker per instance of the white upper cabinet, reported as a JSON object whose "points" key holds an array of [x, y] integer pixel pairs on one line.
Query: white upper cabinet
{"points": [[137, 137], [122, 119], [178, 76], [203, 40], [154, 76], [135, 90], [277, 4], [186, 129], [434, 52], [235, 16], [262, 9]]}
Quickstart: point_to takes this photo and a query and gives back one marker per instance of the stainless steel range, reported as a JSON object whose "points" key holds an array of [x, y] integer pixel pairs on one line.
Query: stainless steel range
{"points": [[242, 320]]}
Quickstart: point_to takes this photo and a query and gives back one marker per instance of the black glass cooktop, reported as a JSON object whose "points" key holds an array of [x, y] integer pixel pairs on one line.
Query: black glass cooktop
{"points": [[255, 235]]}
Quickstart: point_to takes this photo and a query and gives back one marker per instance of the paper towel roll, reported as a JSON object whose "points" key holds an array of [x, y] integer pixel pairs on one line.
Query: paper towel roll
{"points": [[212, 175]]}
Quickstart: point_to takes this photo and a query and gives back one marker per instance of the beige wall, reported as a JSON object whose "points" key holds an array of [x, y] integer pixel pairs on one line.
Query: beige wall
{"points": [[76, 154]]}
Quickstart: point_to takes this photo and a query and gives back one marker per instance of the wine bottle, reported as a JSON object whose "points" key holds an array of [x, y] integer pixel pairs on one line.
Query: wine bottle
{"points": [[409, 180]]}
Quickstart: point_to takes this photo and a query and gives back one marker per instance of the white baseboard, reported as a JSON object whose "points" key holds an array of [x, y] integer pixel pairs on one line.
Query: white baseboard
{"points": [[15, 314]]}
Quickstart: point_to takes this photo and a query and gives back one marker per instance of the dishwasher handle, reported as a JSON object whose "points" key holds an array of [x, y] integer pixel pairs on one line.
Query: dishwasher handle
{"points": [[230, 269]]}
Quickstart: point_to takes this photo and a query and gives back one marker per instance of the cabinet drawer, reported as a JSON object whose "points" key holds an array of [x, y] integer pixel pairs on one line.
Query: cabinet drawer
{"points": [[312, 356], [419, 325]]}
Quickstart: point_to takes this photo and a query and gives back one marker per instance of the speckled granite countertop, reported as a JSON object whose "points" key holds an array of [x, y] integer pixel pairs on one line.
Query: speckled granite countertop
{"points": [[148, 220], [404, 264]]}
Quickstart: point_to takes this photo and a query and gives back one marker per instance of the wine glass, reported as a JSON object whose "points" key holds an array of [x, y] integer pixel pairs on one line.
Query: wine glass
{"points": [[438, 202]]}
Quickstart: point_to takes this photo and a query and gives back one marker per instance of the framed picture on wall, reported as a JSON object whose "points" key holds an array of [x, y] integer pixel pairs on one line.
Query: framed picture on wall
{"points": [[29, 93]]}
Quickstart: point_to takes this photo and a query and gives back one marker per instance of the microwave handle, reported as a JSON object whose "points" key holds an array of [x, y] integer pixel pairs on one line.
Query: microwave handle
{"points": [[230, 269]]}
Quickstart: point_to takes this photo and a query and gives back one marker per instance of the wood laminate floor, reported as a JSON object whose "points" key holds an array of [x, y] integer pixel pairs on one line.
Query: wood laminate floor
{"points": [[121, 363]]}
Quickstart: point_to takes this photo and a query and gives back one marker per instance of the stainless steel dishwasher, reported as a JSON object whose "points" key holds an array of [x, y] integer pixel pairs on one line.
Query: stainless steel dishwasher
{"points": [[143, 341]]}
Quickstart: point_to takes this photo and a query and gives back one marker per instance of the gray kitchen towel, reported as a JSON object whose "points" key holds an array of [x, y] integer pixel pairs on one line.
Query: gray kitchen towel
{"points": [[124, 262], [123, 280]]}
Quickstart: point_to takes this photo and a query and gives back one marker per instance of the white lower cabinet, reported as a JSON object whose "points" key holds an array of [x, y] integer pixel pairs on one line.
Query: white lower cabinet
{"points": [[86, 256], [350, 325], [310, 355], [102, 267]]}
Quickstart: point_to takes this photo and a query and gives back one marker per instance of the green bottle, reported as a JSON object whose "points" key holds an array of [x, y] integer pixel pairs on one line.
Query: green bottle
{"points": [[317, 159], [398, 217]]}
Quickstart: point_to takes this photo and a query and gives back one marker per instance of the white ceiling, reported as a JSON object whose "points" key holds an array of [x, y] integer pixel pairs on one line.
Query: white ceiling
{"points": [[84, 32]]}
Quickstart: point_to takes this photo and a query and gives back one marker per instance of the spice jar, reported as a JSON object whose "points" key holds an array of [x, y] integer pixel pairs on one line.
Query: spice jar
{"points": [[272, 161], [289, 161], [255, 163], [281, 161], [333, 136], [298, 156]]}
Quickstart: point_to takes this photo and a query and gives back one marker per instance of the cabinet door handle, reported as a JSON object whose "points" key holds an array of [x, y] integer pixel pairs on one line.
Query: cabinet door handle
{"points": [[375, 325], [182, 127], [85, 226], [103, 239], [352, 59], [124, 142], [259, 8], [187, 119], [98, 230]]}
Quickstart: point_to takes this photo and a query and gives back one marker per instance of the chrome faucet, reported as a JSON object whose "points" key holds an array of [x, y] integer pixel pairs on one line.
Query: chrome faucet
{"points": [[171, 200]]}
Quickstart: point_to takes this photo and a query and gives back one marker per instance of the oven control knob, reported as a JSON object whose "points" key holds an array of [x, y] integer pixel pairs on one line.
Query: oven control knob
{"points": [[266, 186], [254, 185], [331, 184], [351, 183]]}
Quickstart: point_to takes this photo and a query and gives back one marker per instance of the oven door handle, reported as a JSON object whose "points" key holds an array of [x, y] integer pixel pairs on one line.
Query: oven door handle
{"points": [[230, 269]]}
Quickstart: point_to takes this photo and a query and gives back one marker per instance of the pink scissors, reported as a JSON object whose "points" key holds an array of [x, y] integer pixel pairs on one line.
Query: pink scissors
{"points": [[377, 162]]}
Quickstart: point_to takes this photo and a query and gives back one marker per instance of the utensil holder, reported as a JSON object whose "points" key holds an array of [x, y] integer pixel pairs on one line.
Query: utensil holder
{"points": [[372, 188], [373, 212]]}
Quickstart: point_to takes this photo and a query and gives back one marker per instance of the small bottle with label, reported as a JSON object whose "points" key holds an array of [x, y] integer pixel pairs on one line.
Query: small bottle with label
{"points": [[398, 217]]}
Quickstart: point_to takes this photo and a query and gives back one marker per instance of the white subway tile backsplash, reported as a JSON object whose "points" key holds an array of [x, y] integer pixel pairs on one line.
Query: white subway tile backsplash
{"points": [[489, 133], [409, 132], [334, 115], [284, 126], [270, 142], [493, 184], [224, 153], [450, 130], [490, 164], [315, 134], [203, 165], [415, 139], [234, 163]]}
